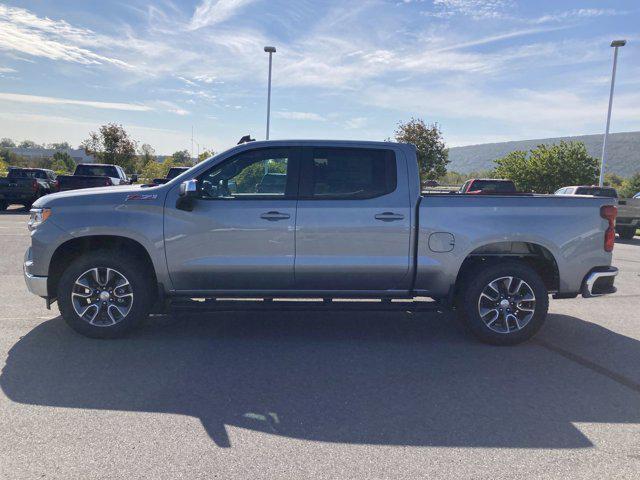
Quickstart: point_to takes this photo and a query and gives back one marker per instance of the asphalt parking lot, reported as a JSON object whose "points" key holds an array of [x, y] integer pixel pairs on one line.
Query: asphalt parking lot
{"points": [[318, 395]]}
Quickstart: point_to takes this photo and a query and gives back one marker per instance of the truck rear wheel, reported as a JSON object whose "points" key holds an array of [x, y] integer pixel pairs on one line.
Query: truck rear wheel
{"points": [[626, 233], [504, 304], [104, 294]]}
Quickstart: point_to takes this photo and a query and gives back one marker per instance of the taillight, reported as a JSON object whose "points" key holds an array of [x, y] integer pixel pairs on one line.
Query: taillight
{"points": [[34, 185], [609, 212]]}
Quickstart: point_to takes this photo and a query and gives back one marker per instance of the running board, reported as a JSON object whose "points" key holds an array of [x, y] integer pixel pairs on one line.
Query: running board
{"points": [[261, 304]]}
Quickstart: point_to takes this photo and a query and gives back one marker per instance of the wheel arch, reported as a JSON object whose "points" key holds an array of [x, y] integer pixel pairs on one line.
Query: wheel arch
{"points": [[68, 251], [535, 255]]}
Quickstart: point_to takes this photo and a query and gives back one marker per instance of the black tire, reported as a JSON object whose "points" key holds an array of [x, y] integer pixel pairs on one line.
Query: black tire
{"points": [[626, 233], [510, 331], [141, 283], [3, 205]]}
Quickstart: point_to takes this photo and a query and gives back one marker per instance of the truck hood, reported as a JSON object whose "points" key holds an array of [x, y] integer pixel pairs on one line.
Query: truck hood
{"points": [[86, 196]]}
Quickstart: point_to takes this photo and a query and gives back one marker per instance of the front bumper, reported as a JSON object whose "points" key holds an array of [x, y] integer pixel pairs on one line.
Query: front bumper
{"points": [[35, 284], [599, 281]]}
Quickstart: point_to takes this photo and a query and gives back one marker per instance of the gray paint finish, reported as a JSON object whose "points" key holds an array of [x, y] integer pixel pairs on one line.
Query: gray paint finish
{"points": [[334, 246]]}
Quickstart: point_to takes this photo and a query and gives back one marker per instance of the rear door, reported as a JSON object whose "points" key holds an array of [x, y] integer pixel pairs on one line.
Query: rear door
{"points": [[353, 220]]}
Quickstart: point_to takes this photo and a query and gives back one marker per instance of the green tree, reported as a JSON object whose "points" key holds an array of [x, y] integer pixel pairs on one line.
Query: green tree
{"points": [[7, 143], [146, 154], [29, 144], [204, 155], [182, 157], [549, 167], [630, 186], [59, 146], [62, 162], [613, 180], [156, 170], [433, 156], [3, 166], [112, 145]]}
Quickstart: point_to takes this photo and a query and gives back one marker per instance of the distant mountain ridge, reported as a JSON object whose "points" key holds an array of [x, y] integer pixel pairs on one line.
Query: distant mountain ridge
{"points": [[623, 152]]}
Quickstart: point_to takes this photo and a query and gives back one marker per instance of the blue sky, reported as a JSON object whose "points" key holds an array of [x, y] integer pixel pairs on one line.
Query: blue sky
{"points": [[486, 70]]}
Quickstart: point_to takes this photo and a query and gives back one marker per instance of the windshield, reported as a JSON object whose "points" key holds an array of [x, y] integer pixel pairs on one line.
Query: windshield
{"points": [[597, 192], [493, 186], [97, 171], [22, 173]]}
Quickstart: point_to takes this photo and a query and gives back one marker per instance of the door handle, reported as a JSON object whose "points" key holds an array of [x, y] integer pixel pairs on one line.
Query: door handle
{"points": [[273, 216], [389, 216]]}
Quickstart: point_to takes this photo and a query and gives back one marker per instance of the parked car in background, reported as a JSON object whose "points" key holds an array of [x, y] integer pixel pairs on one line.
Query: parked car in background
{"points": [[637, 195], [89, 175], [25, 185], [488, 186], [171, 174], [345, 220], [628, 219]]}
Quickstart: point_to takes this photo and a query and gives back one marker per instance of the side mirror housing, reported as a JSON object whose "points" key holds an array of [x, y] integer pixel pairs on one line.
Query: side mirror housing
{"points": [[187, 195], [189, 188], [134, 177]]}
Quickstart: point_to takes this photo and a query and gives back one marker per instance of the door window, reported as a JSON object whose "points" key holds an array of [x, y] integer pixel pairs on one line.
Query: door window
{"points": [[349, 173], [255, 174]]}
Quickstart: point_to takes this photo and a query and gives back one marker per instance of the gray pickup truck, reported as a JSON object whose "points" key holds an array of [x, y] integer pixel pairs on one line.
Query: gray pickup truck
{"points": [[347, 221]]}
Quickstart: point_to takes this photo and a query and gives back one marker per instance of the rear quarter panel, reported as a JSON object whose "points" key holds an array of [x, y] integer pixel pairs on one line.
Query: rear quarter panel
{"points": [[569, 227]]}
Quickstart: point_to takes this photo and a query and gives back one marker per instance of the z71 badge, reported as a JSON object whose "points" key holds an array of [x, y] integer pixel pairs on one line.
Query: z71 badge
{"points": [[139, 196]]}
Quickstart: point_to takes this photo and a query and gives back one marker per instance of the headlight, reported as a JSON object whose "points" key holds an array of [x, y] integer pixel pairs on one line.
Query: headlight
{"points": [[38, 216]]}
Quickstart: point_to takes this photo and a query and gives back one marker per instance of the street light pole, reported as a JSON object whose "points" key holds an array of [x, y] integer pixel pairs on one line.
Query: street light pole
{"points": [[270, 51], [615, 44]]}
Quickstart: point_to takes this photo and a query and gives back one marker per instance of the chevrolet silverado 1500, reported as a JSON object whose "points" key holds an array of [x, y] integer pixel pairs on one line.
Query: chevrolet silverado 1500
{"points": [[347, 220]]}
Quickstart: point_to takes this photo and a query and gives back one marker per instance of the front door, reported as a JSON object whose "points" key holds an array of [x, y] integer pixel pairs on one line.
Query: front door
{"points": [[241, 232], [354, 221]]}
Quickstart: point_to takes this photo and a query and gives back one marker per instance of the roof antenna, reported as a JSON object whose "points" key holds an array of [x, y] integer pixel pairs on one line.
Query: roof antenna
{"points": [[246, 139]]}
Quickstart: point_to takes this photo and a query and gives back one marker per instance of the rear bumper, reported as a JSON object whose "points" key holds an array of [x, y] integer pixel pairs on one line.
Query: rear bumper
{"points": [[599, 281]]}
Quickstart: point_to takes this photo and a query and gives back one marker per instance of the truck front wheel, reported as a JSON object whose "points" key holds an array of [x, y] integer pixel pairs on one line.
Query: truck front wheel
{"points": [[504, 303], [104, 294]]}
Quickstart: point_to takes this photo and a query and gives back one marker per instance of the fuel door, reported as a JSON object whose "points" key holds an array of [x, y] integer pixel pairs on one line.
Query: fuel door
{"points": [[441, 242]]}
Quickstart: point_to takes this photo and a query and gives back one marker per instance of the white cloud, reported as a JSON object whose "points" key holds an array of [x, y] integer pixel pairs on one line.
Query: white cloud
{"points": [[36, 99], [578, 13], [7, 70], [477, 9], [212, 12], [21, 31], [299, 116]]}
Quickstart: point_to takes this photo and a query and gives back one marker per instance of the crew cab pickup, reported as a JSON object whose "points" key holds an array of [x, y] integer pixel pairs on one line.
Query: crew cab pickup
{"points": [[25, 185], [628, 219], [88, 175], [348, 221]]}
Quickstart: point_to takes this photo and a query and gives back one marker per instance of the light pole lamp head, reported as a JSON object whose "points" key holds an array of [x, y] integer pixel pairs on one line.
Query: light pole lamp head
{"points": [[615, 43], [270, 49]]}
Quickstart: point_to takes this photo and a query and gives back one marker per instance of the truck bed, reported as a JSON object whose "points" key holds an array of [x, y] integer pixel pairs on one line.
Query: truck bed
{"points": [[568, 227]]}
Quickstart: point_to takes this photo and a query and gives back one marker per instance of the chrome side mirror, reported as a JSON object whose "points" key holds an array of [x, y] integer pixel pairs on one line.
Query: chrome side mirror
{"points": [[189, 188], [187, 195]]}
